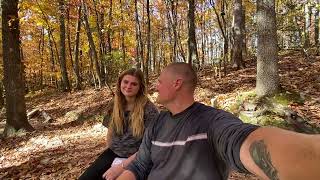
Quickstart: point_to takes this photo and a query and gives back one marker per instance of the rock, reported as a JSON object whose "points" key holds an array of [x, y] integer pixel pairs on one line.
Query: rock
{"points": [[249, 106], [214, 102], [54, 143], [33, 113], [248, 117], [73, 116], [45, 161], [250, 114], [98, 128], [303, 96]]}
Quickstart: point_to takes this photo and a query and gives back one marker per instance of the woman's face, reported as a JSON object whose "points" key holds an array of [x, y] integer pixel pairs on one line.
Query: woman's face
{"points": [[129, 86]]}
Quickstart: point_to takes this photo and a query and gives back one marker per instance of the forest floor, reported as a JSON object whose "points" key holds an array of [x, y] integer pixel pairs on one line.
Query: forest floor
{"points": [[62, 149]]}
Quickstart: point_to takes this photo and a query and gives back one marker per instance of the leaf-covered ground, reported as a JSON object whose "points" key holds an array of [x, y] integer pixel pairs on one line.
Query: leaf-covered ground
{"points": [[64, 148]]}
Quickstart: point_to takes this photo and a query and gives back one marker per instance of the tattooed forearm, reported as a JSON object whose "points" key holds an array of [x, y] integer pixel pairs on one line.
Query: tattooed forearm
{"points": [[261, 157]]}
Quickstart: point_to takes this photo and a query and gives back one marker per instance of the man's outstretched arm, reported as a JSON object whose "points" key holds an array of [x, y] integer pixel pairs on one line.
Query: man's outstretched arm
{"points": [[276, 154]]}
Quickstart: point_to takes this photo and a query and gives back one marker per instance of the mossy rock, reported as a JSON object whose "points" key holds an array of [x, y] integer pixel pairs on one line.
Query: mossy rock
{"points": [[261, 111], [273, 120], [236, 106], [99, 118], [247, 118], [265, 120], [287, 98], [74, 116]]}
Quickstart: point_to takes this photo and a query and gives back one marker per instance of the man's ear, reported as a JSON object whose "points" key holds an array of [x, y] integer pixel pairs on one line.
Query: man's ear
{"points": [[178, 83]]}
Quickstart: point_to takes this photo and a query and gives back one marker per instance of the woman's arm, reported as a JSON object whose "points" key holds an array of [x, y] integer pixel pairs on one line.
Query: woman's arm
{"points": [[273, 153], [115, 171], [109, 137]]}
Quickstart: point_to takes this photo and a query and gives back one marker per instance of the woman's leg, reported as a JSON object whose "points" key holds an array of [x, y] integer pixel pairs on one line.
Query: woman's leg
{"points": [[99, 166]]}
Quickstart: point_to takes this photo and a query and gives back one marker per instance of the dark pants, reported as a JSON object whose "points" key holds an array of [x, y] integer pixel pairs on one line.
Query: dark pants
{"points": [[99, 166]]}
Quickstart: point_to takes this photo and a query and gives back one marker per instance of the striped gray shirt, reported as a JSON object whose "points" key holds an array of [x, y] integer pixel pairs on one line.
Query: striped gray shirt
{"points": [[200, 143], [126, 144]]}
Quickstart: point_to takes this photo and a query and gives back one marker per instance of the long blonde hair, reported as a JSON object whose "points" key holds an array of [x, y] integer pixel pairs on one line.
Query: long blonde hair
{"points": [[136, 120]]}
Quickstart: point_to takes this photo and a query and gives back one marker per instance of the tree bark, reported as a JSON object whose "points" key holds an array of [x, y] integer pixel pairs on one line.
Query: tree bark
{"points": [[192, 44], [53, 65], [267, 53], [244, 36], [238, 34], [109, 39], [171, 7], [1, 96], [307, 25], [123, 46], [91, 44], [99, 25], [76, 51], [223, 29], [316, 26], [69, 38], [14, 80], [146, 70], [139, 43], [63, 65], [203, 37]]}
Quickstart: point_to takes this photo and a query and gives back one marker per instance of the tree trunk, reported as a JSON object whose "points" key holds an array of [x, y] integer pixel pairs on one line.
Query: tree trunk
{"points": [[238, 34], [100, 24], [154, 52], [41, 53], [52, 41], [316, 26], [109, 39], [123, 46], [203, 37], [223, 29], [76, 51], [171, 7], [53, 66], [14, 80], [244, 36], [267, 54], [139, 47], [307, 25], [63, 65], [69, 37], [192, 44], [91, 44], [1, 96], [146, 70]]}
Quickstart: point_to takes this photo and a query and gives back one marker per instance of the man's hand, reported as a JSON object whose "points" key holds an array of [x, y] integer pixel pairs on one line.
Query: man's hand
{"points": [[113, 172]]}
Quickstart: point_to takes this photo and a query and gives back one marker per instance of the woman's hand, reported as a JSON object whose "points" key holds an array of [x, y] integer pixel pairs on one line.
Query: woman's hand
{"points": [[113, 172]]}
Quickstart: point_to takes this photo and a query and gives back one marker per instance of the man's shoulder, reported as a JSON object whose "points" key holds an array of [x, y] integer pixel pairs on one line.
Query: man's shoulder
{"points": [[210, 113], [202, 108], [163, 113]]}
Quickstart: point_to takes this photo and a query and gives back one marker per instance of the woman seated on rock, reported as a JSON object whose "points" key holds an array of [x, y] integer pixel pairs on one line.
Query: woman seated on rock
{"points": [[131, 113]]}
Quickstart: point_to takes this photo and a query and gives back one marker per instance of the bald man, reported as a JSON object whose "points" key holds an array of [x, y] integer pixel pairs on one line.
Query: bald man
{"points": [[193, 141]]}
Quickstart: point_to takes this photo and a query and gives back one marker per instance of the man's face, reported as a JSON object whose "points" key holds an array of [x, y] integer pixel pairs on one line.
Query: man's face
{"points": [[165, 87]]}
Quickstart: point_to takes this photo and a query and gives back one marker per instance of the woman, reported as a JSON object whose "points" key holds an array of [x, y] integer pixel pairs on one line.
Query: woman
{"points": [[131, 113]]}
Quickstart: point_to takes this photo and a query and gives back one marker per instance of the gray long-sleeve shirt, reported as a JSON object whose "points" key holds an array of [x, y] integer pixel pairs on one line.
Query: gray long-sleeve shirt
{"points": [[200, 143], [126, 144]]}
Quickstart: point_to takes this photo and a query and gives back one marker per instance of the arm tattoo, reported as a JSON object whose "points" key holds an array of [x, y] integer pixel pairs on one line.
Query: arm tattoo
{"points": [[261, 157]]}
